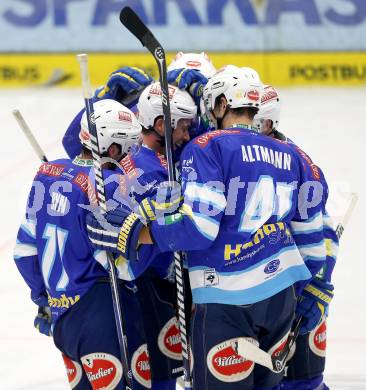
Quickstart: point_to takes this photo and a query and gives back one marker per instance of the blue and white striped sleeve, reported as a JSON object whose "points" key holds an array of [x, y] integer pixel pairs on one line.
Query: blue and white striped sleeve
{"points": [[307, 226], [332, 245], [197, 223], [26, 257]]}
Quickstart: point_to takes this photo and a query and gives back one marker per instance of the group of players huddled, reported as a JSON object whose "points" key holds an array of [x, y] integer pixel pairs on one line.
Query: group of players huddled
{"points": [[248, 213]]}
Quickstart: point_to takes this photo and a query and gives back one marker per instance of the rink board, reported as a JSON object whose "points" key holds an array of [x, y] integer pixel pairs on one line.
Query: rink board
{"points": [[280, 69]]}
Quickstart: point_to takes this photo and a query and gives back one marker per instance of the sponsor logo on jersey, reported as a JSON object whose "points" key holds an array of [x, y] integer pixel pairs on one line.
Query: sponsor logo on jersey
{"points": [[226, 365], [104, 371], [275, 231], [162, 160], [318, 339], [140, 365], [169, 340], [124, 116], [253, 95], [51, 169], [272, 266], [128, 164], [211, 278], [84, 183], [63, 301], [269, 94], [204, 139], [73, 370], [186, 165], [314, 168]]}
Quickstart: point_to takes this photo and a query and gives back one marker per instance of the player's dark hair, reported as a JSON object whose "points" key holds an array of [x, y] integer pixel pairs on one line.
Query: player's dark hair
{"points": [[147, 131], [250, 112], [86, 151]]}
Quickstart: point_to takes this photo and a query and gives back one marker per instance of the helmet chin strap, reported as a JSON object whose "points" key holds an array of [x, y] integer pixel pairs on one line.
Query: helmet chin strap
{"points": [[220, 120], [161, 138]]}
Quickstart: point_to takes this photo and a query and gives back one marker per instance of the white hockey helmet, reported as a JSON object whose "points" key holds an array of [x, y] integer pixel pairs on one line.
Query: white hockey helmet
{"points": [[241, 88], [270, 109], [199, 61], [115, 124], [150, 105]]}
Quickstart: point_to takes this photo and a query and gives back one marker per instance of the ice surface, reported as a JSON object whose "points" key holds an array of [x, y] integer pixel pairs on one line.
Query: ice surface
{"points": [[326, 123]]}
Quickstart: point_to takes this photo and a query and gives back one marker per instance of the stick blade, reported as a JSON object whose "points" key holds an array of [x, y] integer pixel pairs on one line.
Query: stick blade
{"points": [[133, 23], [137, 27], [252, 352]]}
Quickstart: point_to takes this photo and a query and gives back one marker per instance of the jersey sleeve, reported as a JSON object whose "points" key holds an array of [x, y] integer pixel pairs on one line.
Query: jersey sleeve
{"points": [[70, 141], [307, 225], [332, 244], [196, 225], [26, 253]]}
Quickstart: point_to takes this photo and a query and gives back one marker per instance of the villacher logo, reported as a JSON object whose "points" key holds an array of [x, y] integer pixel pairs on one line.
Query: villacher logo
{"points": [[104, 371], [226, 365]]}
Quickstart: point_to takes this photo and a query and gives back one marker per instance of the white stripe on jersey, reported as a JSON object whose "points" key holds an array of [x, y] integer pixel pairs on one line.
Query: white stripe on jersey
{"points": [[251, 277], [207, 226], [311, 225], [29, 227], [313, 251], [205, 194], [24, 250]]}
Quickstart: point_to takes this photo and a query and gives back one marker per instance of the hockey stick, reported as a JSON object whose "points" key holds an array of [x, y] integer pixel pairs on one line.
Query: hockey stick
{"points": [[28, 133], [249, 351], [134, 24], [88, 96], [347, 216]]}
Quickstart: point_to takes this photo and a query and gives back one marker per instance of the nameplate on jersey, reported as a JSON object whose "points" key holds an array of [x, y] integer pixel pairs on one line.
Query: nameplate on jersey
{"points": [[254, 153]]}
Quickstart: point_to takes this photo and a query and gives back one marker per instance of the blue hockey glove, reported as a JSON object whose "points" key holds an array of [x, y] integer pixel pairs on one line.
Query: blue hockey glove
{"points": [[191, 80], [313, 304], [43, 321], [124, 82], [40, 299], [166, 201], [116, 231]]}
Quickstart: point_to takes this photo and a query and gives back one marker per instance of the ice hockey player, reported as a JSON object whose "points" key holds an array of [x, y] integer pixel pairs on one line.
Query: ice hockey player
{"points": [[190, 72], [158, 316], [242, 191], [67, 277], [145, 169], [306, 366], [123, 85], [196, 61]]}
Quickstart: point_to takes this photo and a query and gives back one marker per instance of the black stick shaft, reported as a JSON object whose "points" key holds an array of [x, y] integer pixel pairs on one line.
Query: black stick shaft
{"points": [[134, 24]]}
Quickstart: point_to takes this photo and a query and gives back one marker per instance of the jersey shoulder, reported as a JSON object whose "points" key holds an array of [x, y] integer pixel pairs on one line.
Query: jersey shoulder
{"points": [[77, 173], [307, 163], [210, 137], [145, 160]]}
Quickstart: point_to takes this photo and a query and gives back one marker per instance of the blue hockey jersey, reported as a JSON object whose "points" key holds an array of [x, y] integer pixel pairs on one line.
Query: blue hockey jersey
{"points": [[143, 172], [52, 251], [242, 190]]}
